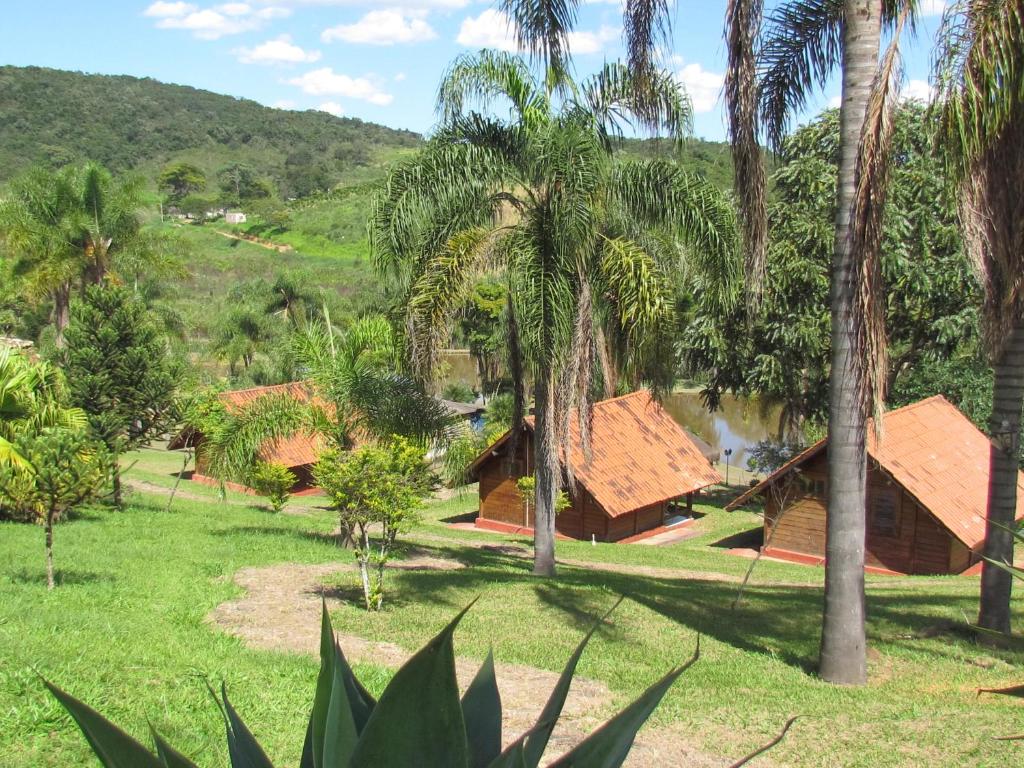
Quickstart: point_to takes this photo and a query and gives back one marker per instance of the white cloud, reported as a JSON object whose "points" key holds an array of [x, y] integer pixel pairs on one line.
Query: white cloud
{"points": [[214, 22], [283, 104], [163, 10], [491, 29], [835, 102], [592, 42], [385, 27], [917, 89], [326, 82], [332, 107], [400, 77], [704, 87], [932, 7], [428, 4], [494, 29], [278, 51]]}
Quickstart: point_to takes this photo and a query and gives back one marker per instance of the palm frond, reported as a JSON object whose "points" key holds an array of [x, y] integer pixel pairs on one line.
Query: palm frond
{"points": [[616, 97], [800, 50], [647, 26], [743, 24], [542, 30], [481, 78], [866, 220]]}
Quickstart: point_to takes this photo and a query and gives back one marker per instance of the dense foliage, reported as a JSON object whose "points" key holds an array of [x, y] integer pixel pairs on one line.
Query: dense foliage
{"points": [[782, 353], [118, 370], [53, 117], [274, 481]]}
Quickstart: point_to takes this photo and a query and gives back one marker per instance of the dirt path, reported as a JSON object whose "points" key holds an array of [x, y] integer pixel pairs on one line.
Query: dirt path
{"points": [[281, 610], [257, 241]]}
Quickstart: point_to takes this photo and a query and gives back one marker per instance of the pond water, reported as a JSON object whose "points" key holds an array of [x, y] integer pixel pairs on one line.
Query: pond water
{"points": [[737, 424]]}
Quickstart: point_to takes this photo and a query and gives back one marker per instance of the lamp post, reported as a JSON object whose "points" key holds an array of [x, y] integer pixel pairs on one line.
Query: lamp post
{"points": [[728, 453]]}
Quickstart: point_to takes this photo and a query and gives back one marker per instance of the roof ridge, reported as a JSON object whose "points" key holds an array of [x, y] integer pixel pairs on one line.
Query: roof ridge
{"points": [[911, 406], [642, 391], [263, 387]]}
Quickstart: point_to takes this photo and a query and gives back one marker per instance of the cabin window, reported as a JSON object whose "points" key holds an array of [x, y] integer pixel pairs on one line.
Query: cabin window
{"points": [[812, 486], [885, 518]]}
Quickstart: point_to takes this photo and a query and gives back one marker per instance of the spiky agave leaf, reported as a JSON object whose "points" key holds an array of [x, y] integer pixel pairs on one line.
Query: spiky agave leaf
{"points": [[481, 711]]}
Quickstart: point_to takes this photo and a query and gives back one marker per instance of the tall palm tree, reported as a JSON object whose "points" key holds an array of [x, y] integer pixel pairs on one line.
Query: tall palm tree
{"points": [[540, 197], [980, 77], [801, 46], [38, 225]]}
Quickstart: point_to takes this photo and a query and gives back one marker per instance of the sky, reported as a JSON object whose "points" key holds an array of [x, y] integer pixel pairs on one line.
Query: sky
{"points": [[377, 60]]}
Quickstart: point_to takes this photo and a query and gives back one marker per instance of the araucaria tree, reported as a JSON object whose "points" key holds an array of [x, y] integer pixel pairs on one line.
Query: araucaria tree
{"points": [[118, 371], [980, 78], [578, 235], [771, 73], [374, 486]]}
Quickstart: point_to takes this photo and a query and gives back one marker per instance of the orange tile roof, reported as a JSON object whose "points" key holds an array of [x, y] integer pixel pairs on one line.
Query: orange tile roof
{"points": [[938, 456], [639, 455], [292, 451]]}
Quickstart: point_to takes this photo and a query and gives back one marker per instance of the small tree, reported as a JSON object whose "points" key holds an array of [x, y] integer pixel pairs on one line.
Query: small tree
{"points": [[64, 469], [275, 481], [527, 487], [180, 180], [118, 371], [374, 485]]}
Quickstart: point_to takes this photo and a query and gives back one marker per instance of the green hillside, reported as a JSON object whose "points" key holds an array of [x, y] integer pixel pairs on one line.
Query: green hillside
{"points": [[54, 117]]}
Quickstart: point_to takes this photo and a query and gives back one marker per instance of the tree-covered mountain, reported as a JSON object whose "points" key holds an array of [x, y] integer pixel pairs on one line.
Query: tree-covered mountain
{"points": [[53, 117]]}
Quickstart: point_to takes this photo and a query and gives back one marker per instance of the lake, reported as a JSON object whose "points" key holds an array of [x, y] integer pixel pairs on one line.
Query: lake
{"points": [[737, 424]]}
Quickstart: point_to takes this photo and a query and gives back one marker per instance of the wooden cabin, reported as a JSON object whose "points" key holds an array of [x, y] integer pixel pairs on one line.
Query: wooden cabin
{"points": [[298, 452], [927, 494], [641, 462]]}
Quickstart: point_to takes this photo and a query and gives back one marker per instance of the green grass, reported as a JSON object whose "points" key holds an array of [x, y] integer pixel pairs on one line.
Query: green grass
{"points": [[126, 630]]}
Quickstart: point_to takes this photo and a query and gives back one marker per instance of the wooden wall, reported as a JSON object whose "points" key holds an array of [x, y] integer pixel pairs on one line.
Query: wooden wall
{"points": [[584, 518], [901, 536]]}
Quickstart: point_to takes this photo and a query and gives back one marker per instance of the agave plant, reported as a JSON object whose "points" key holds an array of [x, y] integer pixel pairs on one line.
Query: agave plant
{"points": [[418, 720]]}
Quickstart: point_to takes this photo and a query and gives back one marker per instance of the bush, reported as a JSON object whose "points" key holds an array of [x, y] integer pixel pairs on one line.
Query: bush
{"points": [[275, 481], [418, 720], [458, 391], [374, 485]]}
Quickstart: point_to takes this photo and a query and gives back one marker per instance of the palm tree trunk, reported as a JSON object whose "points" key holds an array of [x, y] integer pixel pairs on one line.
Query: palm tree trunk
{"points": [[61, 312], [1007, 401], [546, 471], [843, 641]]}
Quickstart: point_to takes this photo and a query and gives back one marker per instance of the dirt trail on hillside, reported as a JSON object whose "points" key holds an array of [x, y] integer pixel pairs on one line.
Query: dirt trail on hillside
{"points": [[280, 611]]}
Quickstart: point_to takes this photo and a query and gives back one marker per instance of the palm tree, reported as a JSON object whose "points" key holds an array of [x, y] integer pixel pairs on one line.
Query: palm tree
{"points": [[38, 225], [577, 233], [801, 46], [980, 78], [356, 394], [33, 397]]}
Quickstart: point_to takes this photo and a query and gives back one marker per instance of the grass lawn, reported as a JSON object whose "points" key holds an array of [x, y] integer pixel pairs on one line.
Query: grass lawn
{"points": [[126, 630]]}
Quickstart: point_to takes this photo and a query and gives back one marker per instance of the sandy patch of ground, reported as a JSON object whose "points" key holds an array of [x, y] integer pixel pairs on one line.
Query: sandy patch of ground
{"points": [[281, 611]]}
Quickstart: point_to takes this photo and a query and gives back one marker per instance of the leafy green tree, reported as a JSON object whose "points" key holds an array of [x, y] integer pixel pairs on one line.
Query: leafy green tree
{"points": [[980, 74], [33, 397], [483, 327], [375, 486], [118, 371], [239, 182], [781, 352], [575, 229], [64, 469], [179, 180], [275, 481]]}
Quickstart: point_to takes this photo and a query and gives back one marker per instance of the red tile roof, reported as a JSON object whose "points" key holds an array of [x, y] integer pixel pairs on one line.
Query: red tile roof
{"points": [[938, 456], [293, 451], [639, 455]]}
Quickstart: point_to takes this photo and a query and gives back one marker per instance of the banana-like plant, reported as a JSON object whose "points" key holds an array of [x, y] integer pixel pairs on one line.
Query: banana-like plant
{"points": [[418, 720]]}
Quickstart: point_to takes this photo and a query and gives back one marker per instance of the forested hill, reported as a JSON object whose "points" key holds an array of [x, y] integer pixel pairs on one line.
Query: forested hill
{"points": [[52, 117]]}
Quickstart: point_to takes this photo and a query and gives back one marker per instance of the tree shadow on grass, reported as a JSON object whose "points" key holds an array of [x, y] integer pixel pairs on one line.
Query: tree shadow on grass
{"points": [[61, 577], [780, 621]]}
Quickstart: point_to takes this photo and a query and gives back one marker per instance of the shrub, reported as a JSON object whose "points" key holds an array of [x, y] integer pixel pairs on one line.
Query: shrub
{"points": [[374, 485], [458, 391], [274, 481], [418, 720]]}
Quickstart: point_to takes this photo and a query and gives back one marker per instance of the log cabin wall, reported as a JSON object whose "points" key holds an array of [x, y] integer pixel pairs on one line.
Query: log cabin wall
{"points": [[901, 536], [499, 497]]}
